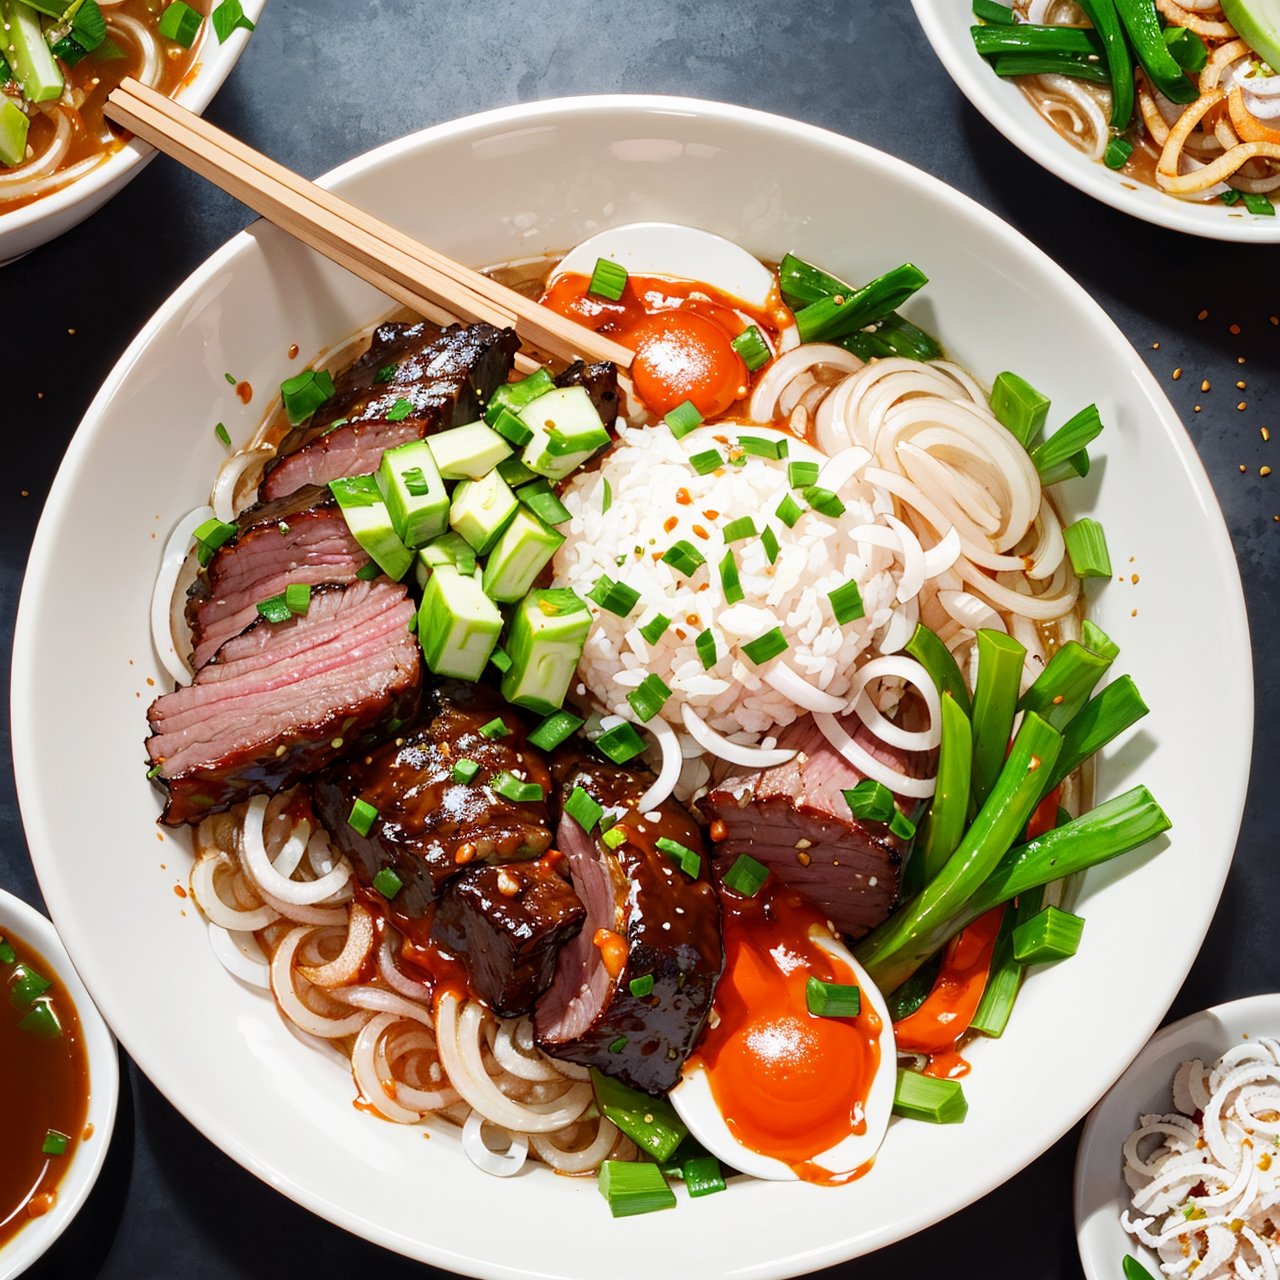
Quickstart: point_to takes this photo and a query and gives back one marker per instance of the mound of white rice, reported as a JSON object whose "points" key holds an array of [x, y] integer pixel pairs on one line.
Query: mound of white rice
{"points": [[655, 498]]}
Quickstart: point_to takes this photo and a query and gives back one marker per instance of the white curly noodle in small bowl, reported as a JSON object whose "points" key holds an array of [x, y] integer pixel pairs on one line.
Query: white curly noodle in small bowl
{"points": [[539, 178], [947, 24]]}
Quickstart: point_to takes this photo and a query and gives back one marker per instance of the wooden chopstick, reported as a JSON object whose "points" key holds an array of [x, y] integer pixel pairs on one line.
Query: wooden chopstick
{"points": [[418, 277]]}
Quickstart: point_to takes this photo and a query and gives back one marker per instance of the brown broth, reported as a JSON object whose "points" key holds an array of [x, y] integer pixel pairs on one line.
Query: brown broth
{"points": [[44, 1085], [95, 76]]}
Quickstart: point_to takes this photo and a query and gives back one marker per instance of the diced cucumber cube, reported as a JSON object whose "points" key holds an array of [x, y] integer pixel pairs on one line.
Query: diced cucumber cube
{"points": [[450, 550], [544, 641], [13, 131], [522, 551], [513, 396], [481, 509], [468, 452], [22, 42], [566, 431], [410, 484], [458, 625], [370, 523], [514, 472]]}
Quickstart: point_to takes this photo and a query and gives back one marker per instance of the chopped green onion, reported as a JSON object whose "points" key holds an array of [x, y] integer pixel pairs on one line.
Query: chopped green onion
{"points": [[702, 1176], [1258, 204], [995, 700], [684, 558], [558, 727], [823, 501], [1117, 153], [387, 883], [648, 697], [1068, 440], [361, 817], [689, 860], [227, 17], [621, 743], [297, 595], [1065, 685], [1075, 466], [1134, 1270], [1087, 547], [934, 656], [683, 418], [41, 1020], [154, 772], [846, 602], [28, 984], [608, 280], [180, 23], [789, 511], [496, 728], [920, 1097], [616, 597], [542, 500], [511, 428], [751, 346], [634, 1186], [874, 802], [802, 282], [742, 527], [512, 788], [399, 411], [770, 540], [746, 876], [55, 1143], [832, 999], [802, 475], [385, 374], [223, 434], [1054, 934], [846, 312], [334, 425], [730, 584], [762, 447], [230, 377], [705, 644], [1188, 49], [990, 11], [1018, 406], [367, 572], [655, 628], [465, 771], [7, 954], [606, 498], [583, 809], [275, 609], [501, 660], [766, 646], [706, 461], [947, 816], [1004, 976], [1117, 707], [614, 837], [1097, 641], [617, 1046], [651, 1123], [642, 986], [305, 392], [210, 536]]}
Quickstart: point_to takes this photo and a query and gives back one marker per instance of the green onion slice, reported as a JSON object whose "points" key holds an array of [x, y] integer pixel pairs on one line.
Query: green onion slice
{"points": [[746, 876], [558, 727], [608, 280], [752, 347], [648, 697], [684, 558], [683, 418], [832, 999], [689, 860], [621, 743], [387, 883], [583, 809], [707, 461], [766, 646], [464, 771], [512, 788], [705, 644], [362, 817]]}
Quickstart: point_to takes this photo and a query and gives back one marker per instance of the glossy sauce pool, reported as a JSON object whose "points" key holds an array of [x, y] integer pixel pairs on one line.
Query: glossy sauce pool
{"points": [[44, 1086]]}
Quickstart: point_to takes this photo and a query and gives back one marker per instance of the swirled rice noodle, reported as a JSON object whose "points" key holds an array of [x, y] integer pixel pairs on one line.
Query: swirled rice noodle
{"points": [[657, 498]]}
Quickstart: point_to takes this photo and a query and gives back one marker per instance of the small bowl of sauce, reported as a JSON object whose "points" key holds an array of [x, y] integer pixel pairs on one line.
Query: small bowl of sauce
{"points": [[59, 1082]]}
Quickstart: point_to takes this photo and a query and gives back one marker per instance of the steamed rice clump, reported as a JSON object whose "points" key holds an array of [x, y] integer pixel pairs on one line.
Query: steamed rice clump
{"points": [[657, 498]]}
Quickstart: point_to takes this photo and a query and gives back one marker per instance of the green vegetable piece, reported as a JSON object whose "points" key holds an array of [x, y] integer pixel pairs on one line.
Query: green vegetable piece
{"points": [[705, 462], [620, 744], [275, 609], [1105, 717], [513, 396], [766, 647], [655, 628], [464, 772], [55, 1143], [872, 801], [41, 1020], [515, 789], [920, 1097], [737, 530], [651, 1123], [789, 511], [684, 558], [846, 603], [13, 130], [1258, 203], [705, 644], [990, 11], [583, 809], [450, 550], [948, 813], [648, 697], [1018, 406], [180, 23], [541, 499], [1142, 25], [566, 431], [688, 860], [458, 625], [1054, 934], [227, 18], [7, 954], [802, 475], [305, 392], [616, 597], [523, 549], [480, 510], [370, 523], [934, 656], [702, 1176], [558, 727], [362, 817], [771, 547], [642, 986], [1258, 24], [1069, 440], [843, 313], [608, 280], [747, 876], [634, 1186], [27, 984], [514, 472], [413, 490], [496, 728], [1117, 153], [1133, 1269], [23, 44], [763, 447], [387, 883], [832, 999], [1087, 546], [823, 501], [467, 452], [730, 583], [995, 701], [752, 348], [683, 418], [545, 636], [1065, 685]]}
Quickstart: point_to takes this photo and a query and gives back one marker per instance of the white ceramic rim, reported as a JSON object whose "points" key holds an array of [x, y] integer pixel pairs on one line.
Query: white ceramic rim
{"points": [[34, 1239], [212, 70], [60, 893], [1005, 108], [1144, 1087]]}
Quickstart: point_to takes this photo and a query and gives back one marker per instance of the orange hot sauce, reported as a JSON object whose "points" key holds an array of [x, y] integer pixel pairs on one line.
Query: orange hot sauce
{"points": [[789, 1084]]}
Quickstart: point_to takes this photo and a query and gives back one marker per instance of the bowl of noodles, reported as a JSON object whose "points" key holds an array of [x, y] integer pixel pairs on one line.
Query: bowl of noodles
{"points": [[60, 159], [285, 974], [1159, 109]]}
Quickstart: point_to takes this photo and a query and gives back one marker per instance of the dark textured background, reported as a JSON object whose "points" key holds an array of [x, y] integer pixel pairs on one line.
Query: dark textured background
{"points": [[325, 79]]}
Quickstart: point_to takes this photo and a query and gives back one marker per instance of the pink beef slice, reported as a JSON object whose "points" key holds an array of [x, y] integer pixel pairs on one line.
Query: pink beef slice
{"points": [[281, 700], [794, 819]]}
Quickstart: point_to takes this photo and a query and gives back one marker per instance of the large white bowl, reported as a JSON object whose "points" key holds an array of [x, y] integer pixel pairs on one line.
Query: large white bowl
{"points": [[946, 24], [505, 185], [18, 919], [34, 224]]}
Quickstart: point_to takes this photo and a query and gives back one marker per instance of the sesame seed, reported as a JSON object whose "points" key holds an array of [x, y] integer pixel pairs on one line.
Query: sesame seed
{"points": [[1177, 373], [1242, 406], [1241, 385], [1204, 386], [1243, 468], [1265, 433], [1233, 329], [1264, 471], [1204, 315]]}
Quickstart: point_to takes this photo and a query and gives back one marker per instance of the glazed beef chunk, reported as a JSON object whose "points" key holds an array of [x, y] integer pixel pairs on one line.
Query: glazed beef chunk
{"points": [[281, 700], [646, 917], [507, 923], [442, 375], [794, 819], [430, 825]]}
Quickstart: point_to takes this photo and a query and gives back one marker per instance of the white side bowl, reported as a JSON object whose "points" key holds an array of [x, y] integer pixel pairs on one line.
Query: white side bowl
{"points": [[25, 922], [946, 24], [528, 180], [34, 224]]}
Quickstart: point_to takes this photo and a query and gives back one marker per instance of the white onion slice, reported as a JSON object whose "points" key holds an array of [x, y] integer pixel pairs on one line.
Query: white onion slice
{"points": [[735, 753], [582, 1161], [291, 1005], [345, 967], [940, 557], [296, 892], [841, 467], [868, 765], [229, 474], [913, 563], [971, 612], [171, 562], [254, 973], [378, 1001], [364, 1067], [501, 1164], [672, 760], [794, 686], [216, 909], [393, 976], [900, 668]]}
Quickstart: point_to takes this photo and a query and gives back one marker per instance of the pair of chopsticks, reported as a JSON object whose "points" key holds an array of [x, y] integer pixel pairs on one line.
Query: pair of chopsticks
{"points": [[427, 282]]}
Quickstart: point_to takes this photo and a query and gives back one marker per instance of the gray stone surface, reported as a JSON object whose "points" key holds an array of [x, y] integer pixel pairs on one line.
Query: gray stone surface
{"points": [[325, 79]]}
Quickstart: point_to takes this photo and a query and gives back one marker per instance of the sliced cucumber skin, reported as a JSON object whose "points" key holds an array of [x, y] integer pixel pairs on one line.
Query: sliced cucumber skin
{"points": [[458, 625], [1258, 24]]}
